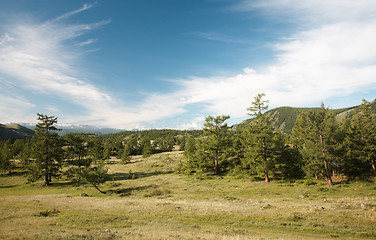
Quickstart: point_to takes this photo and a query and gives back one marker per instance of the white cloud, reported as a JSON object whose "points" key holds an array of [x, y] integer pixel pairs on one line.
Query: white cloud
{"points": [[334, 57], [13, 108], [312, 12]]}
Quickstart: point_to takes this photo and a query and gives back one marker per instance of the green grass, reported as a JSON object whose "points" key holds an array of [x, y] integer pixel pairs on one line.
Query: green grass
{"points": [[147, 200]]}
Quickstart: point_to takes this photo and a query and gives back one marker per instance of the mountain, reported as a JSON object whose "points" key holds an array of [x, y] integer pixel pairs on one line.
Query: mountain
{"points": [[15, 131], [284, 118], [72, 128]]}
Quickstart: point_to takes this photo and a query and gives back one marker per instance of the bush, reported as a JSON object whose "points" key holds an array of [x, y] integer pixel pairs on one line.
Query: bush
{"points": [[310, 182], [48, 213]]}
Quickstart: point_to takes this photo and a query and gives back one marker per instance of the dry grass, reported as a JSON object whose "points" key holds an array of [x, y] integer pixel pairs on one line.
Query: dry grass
{"points": [[160, 204]]}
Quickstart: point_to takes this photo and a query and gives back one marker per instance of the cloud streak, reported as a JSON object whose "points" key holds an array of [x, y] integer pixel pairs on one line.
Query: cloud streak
{"points": [[69, 14]]}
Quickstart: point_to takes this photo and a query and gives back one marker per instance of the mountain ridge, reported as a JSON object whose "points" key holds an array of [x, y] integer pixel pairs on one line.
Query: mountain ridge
{"points": [[15, 131], [284, 118]]}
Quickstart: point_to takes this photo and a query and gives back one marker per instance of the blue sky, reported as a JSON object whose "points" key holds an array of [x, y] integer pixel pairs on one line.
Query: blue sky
{"points": [[170, 63]]}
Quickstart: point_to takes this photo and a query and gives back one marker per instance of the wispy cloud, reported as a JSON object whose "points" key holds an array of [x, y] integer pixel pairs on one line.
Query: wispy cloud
{"points": [[312, 12], [69, 14], [215, 36], [37, 56], [88, 42]]}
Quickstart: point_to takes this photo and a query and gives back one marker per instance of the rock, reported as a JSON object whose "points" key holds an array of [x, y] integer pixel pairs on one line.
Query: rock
{"points": [[301, 196], [344, 205], [84, 195]]}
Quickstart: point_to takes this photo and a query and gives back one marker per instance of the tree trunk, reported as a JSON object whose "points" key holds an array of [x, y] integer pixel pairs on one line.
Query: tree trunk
{"points": [[216, 165], [373, 167], [46, 174], [267, 180], [98, 189], [327, 172]]}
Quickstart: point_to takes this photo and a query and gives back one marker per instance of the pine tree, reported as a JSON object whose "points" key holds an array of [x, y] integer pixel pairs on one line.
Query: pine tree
{"points": [[147, 148], [77, 150], [95, 175], [125, 156], [96, 148], [360, 143], [48, 151], [316, 135], [5, 157], [258, 139], [213, 149]]}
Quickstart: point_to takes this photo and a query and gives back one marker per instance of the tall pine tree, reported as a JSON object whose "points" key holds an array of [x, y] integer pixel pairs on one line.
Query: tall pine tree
{"points": [[258, 139], [360, 143], [48, 151], [316, 135]]}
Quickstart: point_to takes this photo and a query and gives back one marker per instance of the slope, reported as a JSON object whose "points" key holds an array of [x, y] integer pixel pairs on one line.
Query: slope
{"points": [[15, 131], [284, 118]]}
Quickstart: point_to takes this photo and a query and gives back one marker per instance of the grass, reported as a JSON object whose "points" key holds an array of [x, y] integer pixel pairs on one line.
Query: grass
{"points": [[147, 200]]}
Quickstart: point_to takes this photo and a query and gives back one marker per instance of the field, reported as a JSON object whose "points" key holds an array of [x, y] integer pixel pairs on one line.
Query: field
{"points": [[146, 199]]}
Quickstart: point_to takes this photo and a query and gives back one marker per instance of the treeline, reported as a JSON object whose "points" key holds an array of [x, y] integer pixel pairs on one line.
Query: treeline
{"points": [[319, 146], [80, 156]]}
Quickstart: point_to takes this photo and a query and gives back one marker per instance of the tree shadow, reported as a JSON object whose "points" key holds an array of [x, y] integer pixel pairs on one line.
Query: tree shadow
{"points": [[15, 173], [128, 191], [8, 186], [132, 175], [63, 184]]}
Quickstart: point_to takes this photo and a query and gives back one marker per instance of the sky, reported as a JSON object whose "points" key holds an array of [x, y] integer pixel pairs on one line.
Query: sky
{"points": [[146, 64]]}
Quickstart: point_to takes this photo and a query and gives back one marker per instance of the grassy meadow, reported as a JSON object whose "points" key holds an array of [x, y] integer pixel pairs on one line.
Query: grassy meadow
{"points": [[146, 199]]}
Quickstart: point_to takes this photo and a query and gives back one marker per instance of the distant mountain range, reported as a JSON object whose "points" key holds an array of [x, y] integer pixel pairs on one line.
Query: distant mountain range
{"points": [[25, 130], [72, 128]]}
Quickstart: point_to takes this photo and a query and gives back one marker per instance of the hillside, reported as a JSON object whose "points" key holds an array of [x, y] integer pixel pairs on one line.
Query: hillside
{"points": [[14, 132], [284, 117]]}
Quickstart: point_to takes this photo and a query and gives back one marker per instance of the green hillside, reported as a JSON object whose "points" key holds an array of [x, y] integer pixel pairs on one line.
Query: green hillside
{"points": [[14, 132], [284, 117]]}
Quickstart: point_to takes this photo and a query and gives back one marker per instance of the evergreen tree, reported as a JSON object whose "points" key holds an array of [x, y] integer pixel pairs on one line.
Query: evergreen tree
{"points": [[125, 156], [360, 143], [48, 151], [95, 175], [5, 157], [76, 155], [189, 147], [96, 148], [77, 150], [258, 139], [212, 151], [133, 145], [147, 148], [316, 134]]}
